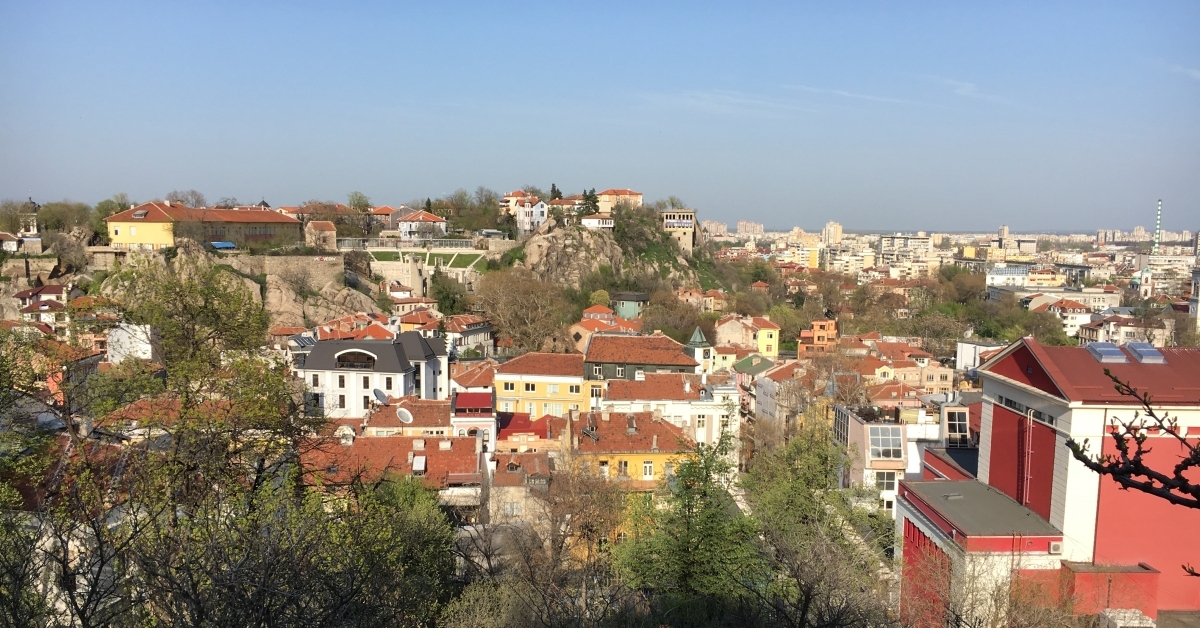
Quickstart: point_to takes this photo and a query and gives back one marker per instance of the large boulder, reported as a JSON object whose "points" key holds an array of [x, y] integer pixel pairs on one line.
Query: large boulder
{"points": [[566, 255]]}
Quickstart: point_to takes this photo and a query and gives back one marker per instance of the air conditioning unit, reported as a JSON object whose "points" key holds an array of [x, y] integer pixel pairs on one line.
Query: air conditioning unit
{"points": [[1055, 547]]}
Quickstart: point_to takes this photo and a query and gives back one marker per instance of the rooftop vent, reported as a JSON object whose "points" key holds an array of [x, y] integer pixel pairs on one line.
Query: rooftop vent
{"points": [[1107, 353], [1145, 353]]}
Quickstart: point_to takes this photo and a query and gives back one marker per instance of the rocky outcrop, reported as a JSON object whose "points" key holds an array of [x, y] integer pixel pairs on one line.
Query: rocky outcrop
{"points": [[287, 307], [565, 255]]}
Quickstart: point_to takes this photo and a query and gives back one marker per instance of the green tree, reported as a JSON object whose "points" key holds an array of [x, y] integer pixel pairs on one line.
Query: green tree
{"points": [[451, 297], [599, 297], [698, 550], [555, 193], [591, 203], [359, 202]]}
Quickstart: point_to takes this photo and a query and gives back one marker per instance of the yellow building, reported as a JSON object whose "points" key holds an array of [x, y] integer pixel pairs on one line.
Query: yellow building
{"points": [[638, 449], [541, 384], [155, 225]]}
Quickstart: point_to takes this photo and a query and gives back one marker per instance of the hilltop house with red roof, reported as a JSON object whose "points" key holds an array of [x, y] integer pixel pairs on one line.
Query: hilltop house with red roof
{"points": [[1036, 515], [420, 225], [608, 199], [321, 235], [156, 224]]}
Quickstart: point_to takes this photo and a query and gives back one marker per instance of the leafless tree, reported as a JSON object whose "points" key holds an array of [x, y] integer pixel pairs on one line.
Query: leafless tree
{"points": [[190, 198]]}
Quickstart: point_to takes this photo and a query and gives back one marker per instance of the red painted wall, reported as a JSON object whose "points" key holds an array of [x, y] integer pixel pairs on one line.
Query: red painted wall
{"points": [[1133, 527], [1023, 367], [1091, 592], [925, 584], [1020, 449]]}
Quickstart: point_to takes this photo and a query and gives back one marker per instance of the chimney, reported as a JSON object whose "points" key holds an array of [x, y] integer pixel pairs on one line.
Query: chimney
{"points": [[574, 441], [443, 445], [410, 457], [168, 203], [654, 443], [604, 416], [687, 385], [630, 424], [657, 415], [347, 438], [704, 378]]}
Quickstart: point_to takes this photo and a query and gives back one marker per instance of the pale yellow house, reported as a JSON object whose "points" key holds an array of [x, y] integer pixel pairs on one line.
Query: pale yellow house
{"points": [[156, 224], [541, 384]]}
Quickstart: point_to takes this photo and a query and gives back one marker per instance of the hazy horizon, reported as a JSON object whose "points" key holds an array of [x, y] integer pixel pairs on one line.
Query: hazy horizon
{"points": [[939, 117]]}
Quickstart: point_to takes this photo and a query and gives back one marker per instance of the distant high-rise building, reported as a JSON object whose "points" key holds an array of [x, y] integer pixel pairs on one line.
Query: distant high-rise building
{"points": [[714, 228], [831, 234], [746, 227], [1002, 232], [1100, 237]]}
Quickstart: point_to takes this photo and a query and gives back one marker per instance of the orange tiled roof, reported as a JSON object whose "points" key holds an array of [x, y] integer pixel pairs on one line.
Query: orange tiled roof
{"points": [[159, 211], [329, 462], [425, 413], [615, 437], [655, 350], [655, 386], [556, 364], [322, 225]]}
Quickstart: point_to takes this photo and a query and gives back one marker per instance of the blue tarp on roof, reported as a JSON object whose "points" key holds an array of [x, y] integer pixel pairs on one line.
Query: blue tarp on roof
{"points": [[222, 245]]}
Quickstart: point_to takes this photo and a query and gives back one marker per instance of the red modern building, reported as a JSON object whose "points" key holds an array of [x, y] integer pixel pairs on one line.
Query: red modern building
{"points": [[1033, 513]]}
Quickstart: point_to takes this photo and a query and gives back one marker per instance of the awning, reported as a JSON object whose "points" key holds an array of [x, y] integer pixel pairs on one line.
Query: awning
{"points": [[222, 245]]}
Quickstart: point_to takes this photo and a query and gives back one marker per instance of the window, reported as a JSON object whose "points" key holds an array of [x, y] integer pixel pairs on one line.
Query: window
{"points": [[701, 422], [133, 231], [512, 509], [648, 470], [342, 401], [598, 371], [620, 371], [573, 389], [558, 409], [1023, 410], [366, 381], [506, 406], [886, 442], [574, 407], [724, 424], [623, 468], [510, 386], [316, 380], [603, 468], [366, 402], [116, 231], [387, 383], [552, 389], [529, 408], [885, 480], [640, 373], [341, 381], [530, 387], [597, 392], [929, 377], [768, 348], [957, 434]]}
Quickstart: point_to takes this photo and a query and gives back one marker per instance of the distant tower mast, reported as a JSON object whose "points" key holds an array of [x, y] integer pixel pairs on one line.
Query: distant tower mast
{"points": [[1158, 227]]}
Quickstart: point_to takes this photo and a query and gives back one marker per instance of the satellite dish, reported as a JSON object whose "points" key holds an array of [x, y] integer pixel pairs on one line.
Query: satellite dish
{"points": [[380, 397], [404, 415]]}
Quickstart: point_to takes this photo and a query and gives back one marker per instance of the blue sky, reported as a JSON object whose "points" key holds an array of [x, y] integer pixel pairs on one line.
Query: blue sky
{"points": [[936, 116]]}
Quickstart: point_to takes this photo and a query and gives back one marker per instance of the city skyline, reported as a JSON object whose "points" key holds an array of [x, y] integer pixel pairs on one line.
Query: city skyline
{"points": [[939, 118]]}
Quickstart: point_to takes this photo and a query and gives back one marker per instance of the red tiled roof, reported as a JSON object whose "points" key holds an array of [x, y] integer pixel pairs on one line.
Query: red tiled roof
{"points": [[869, 364], [654, 350], [48, 305], [656, 386], [557, 364], [462, 322], [893, 391], [159, 211], [421, 216], [286, 331], [598, 309], [615, 437], [425, 413], [1080, 377], [331, 463], [522, 464], [322, 225], [619, 192], [472, 400]]}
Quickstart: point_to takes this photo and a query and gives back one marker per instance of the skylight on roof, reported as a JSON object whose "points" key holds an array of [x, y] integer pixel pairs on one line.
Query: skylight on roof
{"points": [[141, 213], [1145, 353], [1107, 353]]}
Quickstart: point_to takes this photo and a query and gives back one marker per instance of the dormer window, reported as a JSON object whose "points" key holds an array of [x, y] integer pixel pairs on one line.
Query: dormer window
{"points": [[139, 214]]}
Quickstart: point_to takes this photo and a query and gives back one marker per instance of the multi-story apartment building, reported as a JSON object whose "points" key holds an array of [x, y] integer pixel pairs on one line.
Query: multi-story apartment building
{"points": [[610, 198], [347, 379], [702, 410], [749, 228], [632, 357], [831, 234], [1037, 513], [541, 384], [638, 449], [879, 445]]}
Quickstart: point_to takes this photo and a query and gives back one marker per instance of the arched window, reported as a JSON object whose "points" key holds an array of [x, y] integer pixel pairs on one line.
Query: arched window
{"points": [[472, 432], [485, 436], [355, 360], [462, 432]]}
